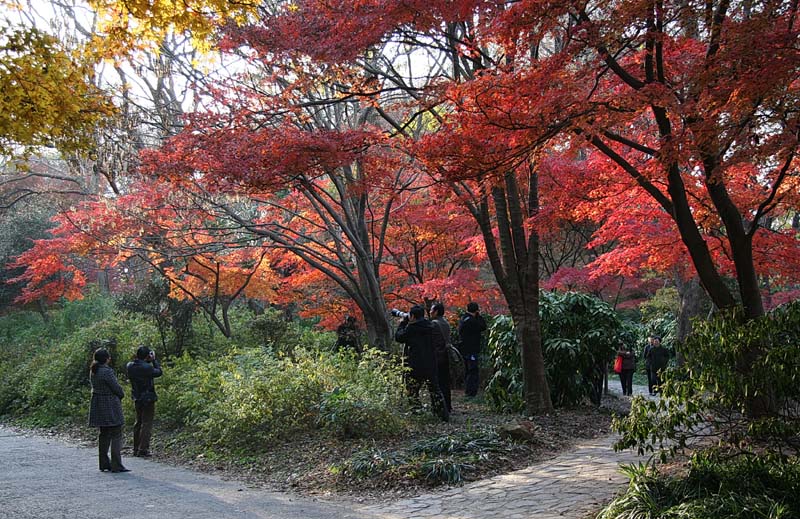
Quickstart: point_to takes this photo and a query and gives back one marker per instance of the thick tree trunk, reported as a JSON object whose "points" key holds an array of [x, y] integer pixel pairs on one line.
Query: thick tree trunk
{"points": [[691, 305], [379, 330], [514, 257], [529, 335], [740, 242]]}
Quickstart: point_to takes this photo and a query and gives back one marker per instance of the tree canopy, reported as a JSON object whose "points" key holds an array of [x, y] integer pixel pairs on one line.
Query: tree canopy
{"points": [[357, 154]]}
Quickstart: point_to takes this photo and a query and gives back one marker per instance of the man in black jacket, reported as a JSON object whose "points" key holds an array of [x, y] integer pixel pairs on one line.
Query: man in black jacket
{"points": [[141, 372], [441, 346], [469, 329], [659, 359], [417, 333]]}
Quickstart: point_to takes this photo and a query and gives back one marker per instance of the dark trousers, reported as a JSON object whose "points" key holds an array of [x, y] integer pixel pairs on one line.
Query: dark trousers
{"points": [[143, 427], [471, 381], [626, 379], [656, 381], [438, 406], [651, 380], [110, 437], [443, 374]]}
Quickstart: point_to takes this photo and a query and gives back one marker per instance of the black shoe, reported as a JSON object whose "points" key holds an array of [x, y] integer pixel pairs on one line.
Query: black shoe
{"points": [[121, 469], [144, 454], [105, 469]]}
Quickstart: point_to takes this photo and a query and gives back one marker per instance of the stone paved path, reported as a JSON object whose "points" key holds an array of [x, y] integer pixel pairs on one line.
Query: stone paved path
{"points": [[42, 478], [570, 485]]}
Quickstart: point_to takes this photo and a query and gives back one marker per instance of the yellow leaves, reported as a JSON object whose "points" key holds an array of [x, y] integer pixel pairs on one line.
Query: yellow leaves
{"points": [[144, 23], [46, 94]]}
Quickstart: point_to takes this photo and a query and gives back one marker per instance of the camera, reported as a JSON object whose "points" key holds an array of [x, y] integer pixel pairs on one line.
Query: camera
{"points": [[399, 313], [151, 356]]}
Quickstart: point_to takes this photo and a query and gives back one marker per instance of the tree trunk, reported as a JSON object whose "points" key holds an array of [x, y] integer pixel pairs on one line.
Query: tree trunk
{"points": [[103, 281], [379, 330], [691, 305], [514, 257], [42, 309], [529, 335]]}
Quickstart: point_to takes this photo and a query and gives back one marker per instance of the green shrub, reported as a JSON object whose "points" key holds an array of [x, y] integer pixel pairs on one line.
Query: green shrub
{"points": [[443, 459], [579, 337], [367, 399], [505, 388], [473, 442], [368, 463], [447, 470], [237, 393], [715, 487], [47, 380], [251, 398], [739, 382]]}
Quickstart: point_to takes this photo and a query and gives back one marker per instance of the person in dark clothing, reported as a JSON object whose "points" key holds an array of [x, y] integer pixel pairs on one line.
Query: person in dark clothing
{"points": [[648, 363], [659, 358], [417, 333], [348, 335], [470, 328], [141, 372], [105, 411], [628, 367], [442, 355]]}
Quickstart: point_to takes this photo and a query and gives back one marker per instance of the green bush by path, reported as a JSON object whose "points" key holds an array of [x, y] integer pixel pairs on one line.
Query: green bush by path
{"points": [[249, 399], [739, 383], [47, 380], [269, 382], [580, 334], [715, 487]]}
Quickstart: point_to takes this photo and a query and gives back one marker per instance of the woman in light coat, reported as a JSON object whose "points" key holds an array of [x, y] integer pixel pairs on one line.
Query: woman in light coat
{"points": [[105, 411]]}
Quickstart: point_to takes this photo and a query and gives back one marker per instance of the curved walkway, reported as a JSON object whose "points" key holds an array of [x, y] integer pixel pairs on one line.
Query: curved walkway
{"points": [[42, 478], [570, 485]]}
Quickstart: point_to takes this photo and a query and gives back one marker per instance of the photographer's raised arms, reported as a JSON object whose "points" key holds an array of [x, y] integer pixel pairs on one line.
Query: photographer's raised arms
{"points": [[419, 334], [141, 372]]}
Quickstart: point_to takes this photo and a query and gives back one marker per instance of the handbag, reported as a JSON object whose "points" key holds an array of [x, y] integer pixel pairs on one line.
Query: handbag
{"points": [[618, 364]]}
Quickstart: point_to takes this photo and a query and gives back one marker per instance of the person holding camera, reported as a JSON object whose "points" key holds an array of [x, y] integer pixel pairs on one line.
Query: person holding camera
{"points": [[105, 411], [141, 372], [348, 336], [470, 328], [417, 333]]}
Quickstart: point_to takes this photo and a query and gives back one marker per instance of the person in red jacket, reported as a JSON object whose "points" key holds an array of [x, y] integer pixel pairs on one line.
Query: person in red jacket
{"points": [[628, 367]]}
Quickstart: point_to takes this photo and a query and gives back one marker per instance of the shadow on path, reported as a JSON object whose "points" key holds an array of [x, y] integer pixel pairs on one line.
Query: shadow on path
{"points": [[43, 478]]}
